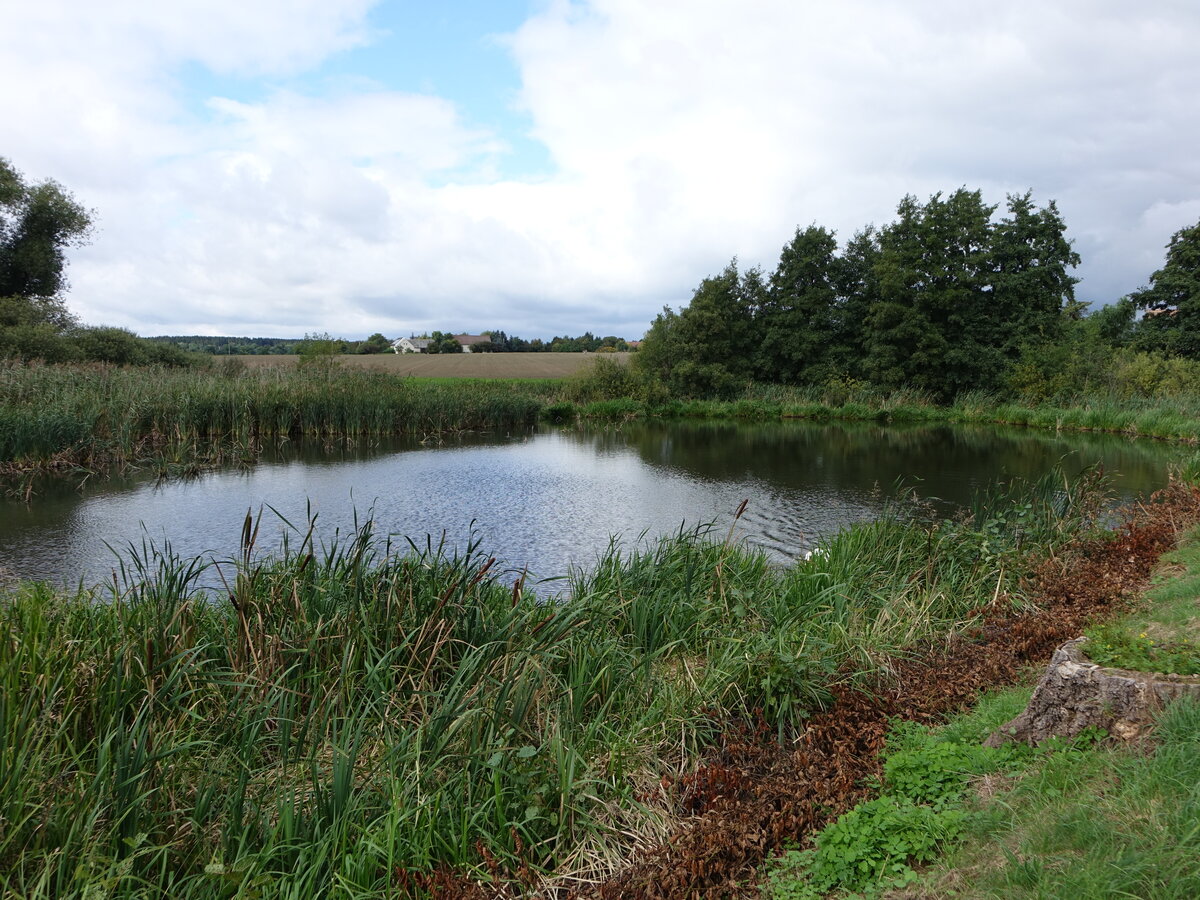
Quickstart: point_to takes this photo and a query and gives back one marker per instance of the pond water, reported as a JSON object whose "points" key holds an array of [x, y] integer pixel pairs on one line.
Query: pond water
{"points": [[552, 498]]}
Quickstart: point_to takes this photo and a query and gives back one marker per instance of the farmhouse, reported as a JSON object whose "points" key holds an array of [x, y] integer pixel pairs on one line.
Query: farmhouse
{"points": [[410, 345], [468, 341]]}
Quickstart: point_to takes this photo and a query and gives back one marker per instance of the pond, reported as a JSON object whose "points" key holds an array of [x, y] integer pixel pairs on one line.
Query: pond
{"points": [[553, 498]]}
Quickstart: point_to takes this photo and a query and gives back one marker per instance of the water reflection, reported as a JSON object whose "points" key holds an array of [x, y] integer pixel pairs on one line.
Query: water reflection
{"points": [[549, 499]]}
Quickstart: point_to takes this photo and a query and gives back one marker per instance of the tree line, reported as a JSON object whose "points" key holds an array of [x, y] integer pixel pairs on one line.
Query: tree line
{"points": [[440, 342], [213, 345], [947, 298], [584, 343], [943, 299]]}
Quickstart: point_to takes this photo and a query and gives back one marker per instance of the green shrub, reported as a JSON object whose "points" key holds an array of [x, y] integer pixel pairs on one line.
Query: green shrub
{"points": [[613, 410], [776, 680], [1154, 375], [36, 342], [706, 380], [118, 346], [559, 413], [605, 379]]}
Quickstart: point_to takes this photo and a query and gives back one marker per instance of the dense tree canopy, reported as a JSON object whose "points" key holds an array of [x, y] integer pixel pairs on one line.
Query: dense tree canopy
{"points": [[38, 223], [945, 298], [376, 343], [443, 342], [961, 295], [1172, 301], [712, 345], [798, 312]]}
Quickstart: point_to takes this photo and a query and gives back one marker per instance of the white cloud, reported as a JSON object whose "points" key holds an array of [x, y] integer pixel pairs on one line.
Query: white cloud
{"points": [[682, 133], [132, 36], [789, 112]]}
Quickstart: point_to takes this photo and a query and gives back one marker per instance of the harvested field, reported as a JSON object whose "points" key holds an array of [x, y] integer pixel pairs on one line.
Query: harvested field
{"points": [[457, 365]]}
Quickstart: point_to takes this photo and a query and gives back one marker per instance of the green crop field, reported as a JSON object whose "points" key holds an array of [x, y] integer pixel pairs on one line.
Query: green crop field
{"points": [[458, 365]]}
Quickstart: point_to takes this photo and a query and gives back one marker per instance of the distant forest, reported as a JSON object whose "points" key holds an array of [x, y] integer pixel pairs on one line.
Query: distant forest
{"points": [[231, 346]]}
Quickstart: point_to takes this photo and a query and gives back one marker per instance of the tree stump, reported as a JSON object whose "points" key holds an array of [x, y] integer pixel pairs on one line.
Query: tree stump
{"points": [[1076, 693]]}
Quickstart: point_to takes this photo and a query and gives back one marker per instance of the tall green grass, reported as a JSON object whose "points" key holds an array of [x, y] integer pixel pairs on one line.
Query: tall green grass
{"points": [[339, 719], [90, 415]]}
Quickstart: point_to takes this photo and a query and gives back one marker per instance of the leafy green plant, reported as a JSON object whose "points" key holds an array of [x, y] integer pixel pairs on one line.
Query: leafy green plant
{"points": [[559, 413], [775, 678], [874, 845], [1189, 470], [933, 774]]}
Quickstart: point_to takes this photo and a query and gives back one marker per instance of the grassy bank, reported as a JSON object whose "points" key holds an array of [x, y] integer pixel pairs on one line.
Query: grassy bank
{"points": [[63, 418], [368, 720], [1080, 818]]}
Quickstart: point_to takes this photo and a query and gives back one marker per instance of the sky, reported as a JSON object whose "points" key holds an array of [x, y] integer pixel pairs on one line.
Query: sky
{"points": [[283, 167]]}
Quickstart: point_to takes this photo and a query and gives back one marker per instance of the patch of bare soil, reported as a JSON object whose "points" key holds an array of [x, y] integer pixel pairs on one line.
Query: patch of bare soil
{"points": [[753, 794]]}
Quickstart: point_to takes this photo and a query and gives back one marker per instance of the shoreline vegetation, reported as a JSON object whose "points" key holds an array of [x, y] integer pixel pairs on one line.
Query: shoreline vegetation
{"points": [[88, 419], [364, 720]]}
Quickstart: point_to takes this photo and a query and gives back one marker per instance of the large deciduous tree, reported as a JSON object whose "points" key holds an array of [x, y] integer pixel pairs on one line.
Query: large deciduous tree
{"points": [[443, 342], [1032, 285], [38, 223], [709, 347], [376, 343], [930, 328], [798, 315], [1173, 297], [960, 296], [858, 292]]}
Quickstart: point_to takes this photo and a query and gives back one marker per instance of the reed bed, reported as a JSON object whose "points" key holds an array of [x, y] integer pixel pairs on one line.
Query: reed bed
{"points": [[93, 416], [357, 719]]}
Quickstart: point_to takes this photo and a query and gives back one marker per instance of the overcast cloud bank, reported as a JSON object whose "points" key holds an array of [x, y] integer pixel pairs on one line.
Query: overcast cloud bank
{"points": [[680, 134]]}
